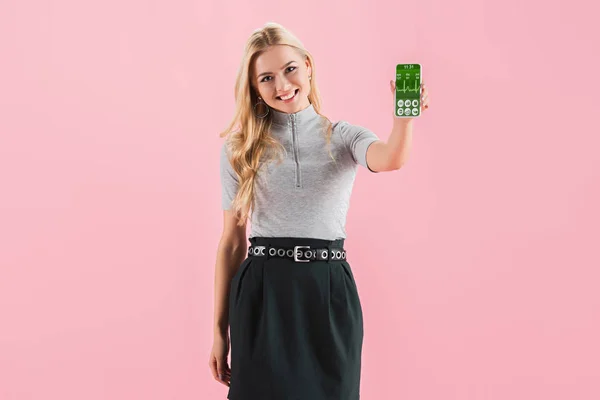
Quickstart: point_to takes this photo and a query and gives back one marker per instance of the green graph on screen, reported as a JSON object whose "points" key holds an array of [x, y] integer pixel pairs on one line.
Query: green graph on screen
{"points": [[407, 99]]}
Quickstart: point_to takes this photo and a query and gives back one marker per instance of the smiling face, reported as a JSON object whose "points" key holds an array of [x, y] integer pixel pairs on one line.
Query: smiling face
{"points": [[281, 72]]}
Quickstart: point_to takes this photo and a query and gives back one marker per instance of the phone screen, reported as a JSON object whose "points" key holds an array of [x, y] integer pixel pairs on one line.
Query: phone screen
{"points": [[407, 99]]}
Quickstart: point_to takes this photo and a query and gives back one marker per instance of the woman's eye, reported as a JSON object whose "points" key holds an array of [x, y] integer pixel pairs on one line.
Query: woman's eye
{"points": [[263, 80]]}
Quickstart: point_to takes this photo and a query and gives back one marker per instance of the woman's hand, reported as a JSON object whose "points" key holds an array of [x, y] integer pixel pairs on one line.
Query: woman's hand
{"points": [[424, 97], [218, 359]]}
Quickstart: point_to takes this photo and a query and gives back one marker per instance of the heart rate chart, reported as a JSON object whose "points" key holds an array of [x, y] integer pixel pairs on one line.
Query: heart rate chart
{"points": [[406, 89], [407, 99]]}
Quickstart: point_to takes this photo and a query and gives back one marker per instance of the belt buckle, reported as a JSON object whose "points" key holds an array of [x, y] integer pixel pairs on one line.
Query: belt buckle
{"points": [[296, 253]]}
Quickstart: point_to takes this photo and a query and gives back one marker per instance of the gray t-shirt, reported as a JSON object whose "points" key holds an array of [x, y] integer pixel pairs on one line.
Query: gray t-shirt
{"points": [[307, 195]]}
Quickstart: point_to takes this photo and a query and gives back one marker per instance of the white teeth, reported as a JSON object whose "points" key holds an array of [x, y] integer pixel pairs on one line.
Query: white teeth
{"points": [[288, 97]]}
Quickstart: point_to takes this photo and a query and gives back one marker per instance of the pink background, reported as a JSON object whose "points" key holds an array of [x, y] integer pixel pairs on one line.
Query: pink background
{"points": [[476, 263]]}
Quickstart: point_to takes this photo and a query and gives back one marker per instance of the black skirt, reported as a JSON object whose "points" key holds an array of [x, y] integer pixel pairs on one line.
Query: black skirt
{"points": [[296, 328]]}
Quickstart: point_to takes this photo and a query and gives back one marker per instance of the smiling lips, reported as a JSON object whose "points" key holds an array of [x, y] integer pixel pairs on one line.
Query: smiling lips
{"points": [[288, 97]]}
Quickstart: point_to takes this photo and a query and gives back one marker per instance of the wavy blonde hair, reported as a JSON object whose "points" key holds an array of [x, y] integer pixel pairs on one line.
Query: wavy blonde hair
{"points": [[249, 142]]}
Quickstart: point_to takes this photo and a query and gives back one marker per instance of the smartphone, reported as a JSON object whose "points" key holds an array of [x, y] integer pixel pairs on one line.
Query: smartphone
{"points": [[407, 99]]}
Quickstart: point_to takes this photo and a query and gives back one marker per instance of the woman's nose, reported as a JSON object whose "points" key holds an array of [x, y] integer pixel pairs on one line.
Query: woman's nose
{"points": [[282, 85]]}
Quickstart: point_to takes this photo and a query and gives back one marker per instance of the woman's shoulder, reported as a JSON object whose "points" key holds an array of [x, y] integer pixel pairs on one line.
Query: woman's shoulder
{"points": [[337, 125], [342, 124], [343, 127]]}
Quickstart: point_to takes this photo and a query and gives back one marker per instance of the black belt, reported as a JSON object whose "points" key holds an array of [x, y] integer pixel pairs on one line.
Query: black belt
{"points": [[299, 253]]}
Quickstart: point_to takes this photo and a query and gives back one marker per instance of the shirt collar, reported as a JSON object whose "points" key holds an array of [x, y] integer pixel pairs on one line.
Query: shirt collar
{"points": [[301, 117]]}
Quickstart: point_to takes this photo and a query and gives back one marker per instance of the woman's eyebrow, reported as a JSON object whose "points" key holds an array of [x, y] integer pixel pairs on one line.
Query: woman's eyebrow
{"points": [[266, 73]]}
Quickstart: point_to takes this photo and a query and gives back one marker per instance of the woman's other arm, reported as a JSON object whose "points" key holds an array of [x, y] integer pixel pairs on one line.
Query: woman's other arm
{"points": [[231, 252]]}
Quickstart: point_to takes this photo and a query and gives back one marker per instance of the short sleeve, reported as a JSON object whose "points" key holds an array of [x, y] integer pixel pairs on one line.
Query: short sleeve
{"points": [[229, 180], [357, 140]]}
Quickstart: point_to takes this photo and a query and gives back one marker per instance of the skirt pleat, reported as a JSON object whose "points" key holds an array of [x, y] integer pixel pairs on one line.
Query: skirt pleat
{"points": [[296, 329]]}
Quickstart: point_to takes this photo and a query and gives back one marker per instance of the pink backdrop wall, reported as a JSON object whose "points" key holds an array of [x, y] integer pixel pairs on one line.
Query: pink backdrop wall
{"points": [[477, 262]]}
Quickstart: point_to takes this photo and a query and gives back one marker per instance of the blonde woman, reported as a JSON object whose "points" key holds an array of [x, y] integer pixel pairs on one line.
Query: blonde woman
{"points": [[289, 300]]}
